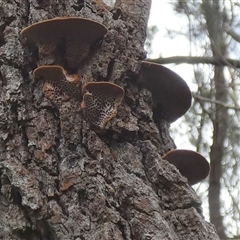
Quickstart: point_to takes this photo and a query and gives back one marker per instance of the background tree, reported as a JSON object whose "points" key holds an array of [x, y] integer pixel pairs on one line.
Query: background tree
{"points": [[214, 116], [61, 179]]}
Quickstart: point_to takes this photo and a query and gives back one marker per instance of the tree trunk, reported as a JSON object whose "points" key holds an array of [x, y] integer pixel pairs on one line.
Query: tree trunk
{"points": [[62, 180], [214, 19]]}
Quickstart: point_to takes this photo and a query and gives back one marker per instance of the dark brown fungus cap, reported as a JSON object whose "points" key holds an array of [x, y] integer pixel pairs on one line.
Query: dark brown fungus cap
{"points": [[170, 93], [73, 34], [58, 84], [100, 102], [190, 164]]}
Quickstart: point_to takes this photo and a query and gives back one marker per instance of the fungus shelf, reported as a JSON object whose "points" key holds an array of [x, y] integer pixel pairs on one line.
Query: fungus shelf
{"points": [[170, 93], [72, 36], [100, 102], [58, 84], [190, 164]]}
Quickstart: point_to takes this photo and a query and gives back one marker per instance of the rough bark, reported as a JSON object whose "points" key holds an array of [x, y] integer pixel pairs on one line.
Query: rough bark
{"points": [[62, 180]]}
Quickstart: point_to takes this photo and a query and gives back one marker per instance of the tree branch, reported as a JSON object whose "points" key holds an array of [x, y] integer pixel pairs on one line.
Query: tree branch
{"points": [[197, 60], [196, 96], [232, 33]]}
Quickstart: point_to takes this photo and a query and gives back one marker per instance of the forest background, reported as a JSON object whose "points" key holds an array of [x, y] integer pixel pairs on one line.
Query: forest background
{"points": [[200, 40]]}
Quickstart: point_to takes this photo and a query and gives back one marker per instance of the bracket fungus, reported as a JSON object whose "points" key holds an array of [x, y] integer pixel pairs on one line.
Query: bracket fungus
{"points": [[100, 102], [58, 84], [190, 164], [170, 93], [73, 36]]}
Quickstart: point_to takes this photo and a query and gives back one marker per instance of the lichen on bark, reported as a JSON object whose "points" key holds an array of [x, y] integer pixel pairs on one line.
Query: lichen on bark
{"points": [[61, 179]]}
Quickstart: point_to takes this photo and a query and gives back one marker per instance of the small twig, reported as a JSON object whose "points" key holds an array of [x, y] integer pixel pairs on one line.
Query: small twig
{"points": [[214, 101], [197, 60]]}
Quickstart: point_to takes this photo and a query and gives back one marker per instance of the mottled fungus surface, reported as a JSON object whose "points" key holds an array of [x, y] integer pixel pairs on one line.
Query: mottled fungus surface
{"points": [[100, 102], [58, 84], [73, 36], [170, 93], [190, 164], [53, 94]]}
